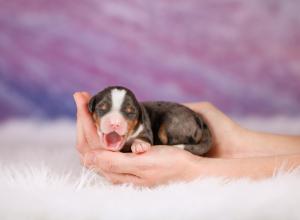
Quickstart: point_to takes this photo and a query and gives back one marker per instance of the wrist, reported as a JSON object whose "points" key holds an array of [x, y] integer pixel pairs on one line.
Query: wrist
{"points": [[254, 168], [233, 146], [216, 167]]}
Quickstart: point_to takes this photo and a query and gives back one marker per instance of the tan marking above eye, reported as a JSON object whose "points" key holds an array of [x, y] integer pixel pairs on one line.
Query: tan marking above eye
{"points": [[103, 106], [95, 116], [96, 120], [131, 125], [128, 109]]}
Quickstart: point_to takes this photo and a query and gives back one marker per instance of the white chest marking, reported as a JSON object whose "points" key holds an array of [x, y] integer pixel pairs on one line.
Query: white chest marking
{"points": [[117, 97]]}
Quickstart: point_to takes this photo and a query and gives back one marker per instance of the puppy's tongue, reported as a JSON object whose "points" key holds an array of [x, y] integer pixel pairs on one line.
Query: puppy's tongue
{"points": [[113, 139]]}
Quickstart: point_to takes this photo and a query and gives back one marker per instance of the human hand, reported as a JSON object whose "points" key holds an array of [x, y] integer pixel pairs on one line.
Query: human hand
{"points": [[163, 164]]}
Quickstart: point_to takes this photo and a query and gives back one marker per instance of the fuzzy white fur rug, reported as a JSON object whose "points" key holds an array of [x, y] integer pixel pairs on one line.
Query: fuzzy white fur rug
{"points": [[40, 178]]}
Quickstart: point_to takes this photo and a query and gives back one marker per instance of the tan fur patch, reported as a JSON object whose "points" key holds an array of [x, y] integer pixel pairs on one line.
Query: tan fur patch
{"points": [[162, 134], [131, 126], [96, 120]]}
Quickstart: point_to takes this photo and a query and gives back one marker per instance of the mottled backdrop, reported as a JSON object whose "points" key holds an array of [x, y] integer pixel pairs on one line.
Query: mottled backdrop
{"points": [[242, 55]]}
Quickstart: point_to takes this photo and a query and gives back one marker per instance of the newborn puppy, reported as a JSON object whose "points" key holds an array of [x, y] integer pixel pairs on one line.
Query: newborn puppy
{"points": [[124, 124]]}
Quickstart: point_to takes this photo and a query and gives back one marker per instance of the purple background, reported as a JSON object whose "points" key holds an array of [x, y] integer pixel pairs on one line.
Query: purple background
{"points": [[244, 56]]}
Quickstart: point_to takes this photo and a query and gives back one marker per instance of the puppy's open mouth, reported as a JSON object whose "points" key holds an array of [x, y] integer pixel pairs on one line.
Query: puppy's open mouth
{"points": [[114, 141]]}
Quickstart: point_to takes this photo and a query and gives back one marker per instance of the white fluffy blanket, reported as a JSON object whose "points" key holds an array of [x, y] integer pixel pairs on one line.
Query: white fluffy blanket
{"points": [[40, 178]]}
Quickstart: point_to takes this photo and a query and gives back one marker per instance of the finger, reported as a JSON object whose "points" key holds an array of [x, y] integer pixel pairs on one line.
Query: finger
{"points": [[208, 111], [117, 178], [81, 142], [115, 162], [86, 120], [201, 107]]}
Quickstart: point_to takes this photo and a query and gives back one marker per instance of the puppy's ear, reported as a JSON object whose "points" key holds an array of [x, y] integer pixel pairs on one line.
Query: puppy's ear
{"points": [[92, 104]]}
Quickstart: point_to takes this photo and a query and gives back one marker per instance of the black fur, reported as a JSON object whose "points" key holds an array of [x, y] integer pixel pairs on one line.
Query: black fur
{"points": [[182, 125]]}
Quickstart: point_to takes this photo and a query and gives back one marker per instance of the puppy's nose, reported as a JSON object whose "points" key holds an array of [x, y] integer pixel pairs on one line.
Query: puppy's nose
{"points": [[114, 126]]}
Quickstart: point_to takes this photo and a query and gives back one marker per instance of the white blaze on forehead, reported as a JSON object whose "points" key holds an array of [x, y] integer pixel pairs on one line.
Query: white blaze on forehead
{"points": [[117, 98]]}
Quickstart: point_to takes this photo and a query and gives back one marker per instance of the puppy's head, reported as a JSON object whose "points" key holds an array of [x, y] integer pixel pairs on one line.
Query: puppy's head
{"points": [[117, 114]]}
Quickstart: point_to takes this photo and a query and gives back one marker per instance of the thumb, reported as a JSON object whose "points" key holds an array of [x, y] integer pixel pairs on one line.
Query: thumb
{"points": [[85, 118]]}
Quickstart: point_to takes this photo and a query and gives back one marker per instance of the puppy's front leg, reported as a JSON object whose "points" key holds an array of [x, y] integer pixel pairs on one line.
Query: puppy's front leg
{"points": [[140, 146]]}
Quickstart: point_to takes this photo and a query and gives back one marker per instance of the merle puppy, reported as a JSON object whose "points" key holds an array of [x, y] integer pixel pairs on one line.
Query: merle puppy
{"points": [[124, 124]]}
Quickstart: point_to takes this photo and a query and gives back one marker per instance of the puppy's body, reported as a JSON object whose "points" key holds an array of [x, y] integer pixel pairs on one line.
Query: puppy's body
{"points": [[175, 124], [126, 125]]}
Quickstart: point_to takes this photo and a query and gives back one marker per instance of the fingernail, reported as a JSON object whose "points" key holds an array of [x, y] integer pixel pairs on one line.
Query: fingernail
{"points": [[75, 94], [90, 158], [74, 97]]}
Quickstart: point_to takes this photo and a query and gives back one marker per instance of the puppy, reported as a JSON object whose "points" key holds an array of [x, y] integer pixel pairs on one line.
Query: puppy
{"points": [[124, 124]]}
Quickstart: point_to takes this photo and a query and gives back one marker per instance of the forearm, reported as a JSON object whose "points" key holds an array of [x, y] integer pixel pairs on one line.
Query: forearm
{"points": [[254, 144], [254, 168]]}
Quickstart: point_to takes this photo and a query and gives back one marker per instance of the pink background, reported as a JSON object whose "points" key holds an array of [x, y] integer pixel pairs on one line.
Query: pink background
{"points": [[244, 56]]}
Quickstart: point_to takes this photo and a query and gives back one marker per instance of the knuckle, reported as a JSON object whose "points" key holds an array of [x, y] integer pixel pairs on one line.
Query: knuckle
{"points": [[115, 182], [111, 179]]}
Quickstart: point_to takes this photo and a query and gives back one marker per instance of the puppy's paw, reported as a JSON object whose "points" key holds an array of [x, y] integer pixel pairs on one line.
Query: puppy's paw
{"points": [[139, 146]]}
